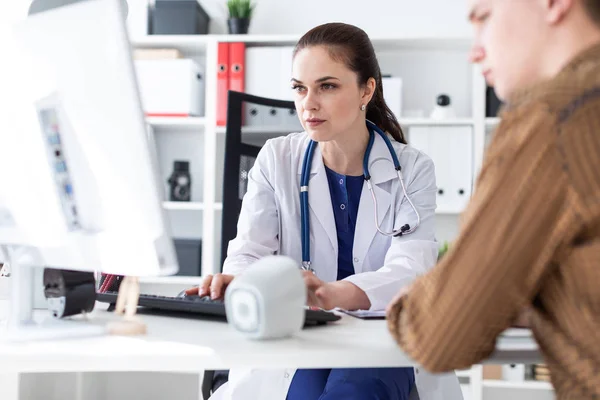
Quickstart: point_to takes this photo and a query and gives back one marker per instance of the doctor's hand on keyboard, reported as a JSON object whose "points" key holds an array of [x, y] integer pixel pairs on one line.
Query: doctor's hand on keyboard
{"points": [[213, 286]]}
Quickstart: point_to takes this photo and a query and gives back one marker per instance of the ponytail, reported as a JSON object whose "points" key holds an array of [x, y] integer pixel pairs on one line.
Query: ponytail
{"points": [[380, 114]]}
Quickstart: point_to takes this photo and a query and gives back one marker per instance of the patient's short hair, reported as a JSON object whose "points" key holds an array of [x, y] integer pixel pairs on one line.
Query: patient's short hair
{"points": [[593, 9]]}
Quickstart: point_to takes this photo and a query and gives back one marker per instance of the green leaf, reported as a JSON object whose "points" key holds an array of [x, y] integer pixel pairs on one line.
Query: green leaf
{"points": [[443, 250], [240, 8]]}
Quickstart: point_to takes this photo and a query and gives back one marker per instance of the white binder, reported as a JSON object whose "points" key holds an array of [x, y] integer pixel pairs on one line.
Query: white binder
{"points": [[451, 149], [268, 74], [392, 93], [171, 86]]}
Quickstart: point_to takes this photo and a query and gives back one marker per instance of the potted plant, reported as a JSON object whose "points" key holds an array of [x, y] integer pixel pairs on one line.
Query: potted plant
{"points": [[240, 13]]}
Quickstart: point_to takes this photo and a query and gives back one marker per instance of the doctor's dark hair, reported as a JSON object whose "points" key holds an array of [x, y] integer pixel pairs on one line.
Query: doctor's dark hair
{"points": [[351, 45]]}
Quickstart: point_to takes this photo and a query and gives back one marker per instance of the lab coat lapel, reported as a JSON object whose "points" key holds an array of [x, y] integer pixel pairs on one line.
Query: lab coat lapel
{"points": [[319, 201], [381, 169]]}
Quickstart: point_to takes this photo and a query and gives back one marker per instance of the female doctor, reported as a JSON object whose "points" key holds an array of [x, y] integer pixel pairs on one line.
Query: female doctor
{"points": [[338, 90]]}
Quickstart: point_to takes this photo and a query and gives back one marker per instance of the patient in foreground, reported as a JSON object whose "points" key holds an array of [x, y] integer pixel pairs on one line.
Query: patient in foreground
{"points": [[531, 235]]}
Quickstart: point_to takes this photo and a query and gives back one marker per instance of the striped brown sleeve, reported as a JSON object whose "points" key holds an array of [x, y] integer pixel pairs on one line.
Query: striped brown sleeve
{"points": [[452, 316]]}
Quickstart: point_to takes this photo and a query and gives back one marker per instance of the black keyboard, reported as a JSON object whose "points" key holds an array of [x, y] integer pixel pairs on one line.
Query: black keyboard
{"points": [[203, 306]]}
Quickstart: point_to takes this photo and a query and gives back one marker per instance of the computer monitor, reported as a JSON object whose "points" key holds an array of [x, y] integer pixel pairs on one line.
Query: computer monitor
{"points": [[79, 183]]}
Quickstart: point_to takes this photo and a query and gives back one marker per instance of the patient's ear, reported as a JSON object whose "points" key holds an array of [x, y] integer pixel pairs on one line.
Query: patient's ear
{"points": [[557, 10]]}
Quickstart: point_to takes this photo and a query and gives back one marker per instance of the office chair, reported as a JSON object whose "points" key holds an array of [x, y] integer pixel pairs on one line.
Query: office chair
{"points": [[278, 118]]}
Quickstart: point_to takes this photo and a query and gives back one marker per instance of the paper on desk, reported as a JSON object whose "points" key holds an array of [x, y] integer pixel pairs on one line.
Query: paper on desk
{"points": [[365, 314]]}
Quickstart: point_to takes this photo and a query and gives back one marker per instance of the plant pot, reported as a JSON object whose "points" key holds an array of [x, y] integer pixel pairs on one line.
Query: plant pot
{"points": [[238, 26]]}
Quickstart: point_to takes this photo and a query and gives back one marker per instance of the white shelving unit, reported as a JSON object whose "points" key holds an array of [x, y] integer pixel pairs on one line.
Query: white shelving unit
{"points": [[443, 60]]}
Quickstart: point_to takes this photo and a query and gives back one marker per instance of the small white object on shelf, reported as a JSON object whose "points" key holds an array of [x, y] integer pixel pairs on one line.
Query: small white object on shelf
{"points": [[435, 122], [443, 108], [513, 372]]}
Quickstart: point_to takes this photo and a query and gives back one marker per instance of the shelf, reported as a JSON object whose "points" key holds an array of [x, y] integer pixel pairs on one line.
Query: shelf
{"points": [[198, 43], [536, 385], [448, 211], [463, 373], [274, 130], [189, 206], [185, 43], [265, 130], [177, 123], [183, 205], [435, 122]]}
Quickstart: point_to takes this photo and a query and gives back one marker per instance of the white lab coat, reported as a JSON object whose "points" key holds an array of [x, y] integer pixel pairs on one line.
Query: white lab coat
{"points": [[270, 223]]}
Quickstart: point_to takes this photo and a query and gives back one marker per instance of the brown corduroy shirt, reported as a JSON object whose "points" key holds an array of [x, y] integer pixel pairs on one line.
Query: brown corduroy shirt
{"points": [[529, 238]]}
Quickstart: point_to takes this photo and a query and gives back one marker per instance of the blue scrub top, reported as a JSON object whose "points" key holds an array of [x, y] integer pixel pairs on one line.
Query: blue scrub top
{"points": [[353, 383], [345, 196]]}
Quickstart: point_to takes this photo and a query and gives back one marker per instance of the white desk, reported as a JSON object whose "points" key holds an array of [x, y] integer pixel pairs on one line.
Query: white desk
{"points": [[187, 345], [192, 345]]}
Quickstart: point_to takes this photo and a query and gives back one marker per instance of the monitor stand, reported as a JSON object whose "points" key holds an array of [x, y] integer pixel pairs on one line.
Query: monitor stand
{"points": [[21, 325]]}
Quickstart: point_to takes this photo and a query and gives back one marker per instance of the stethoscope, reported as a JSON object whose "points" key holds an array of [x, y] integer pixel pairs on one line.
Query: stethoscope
{"points": [[305, 223]]}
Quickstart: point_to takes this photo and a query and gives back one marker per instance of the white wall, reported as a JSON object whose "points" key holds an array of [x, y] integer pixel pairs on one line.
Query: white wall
{"points": [[376, 17]]}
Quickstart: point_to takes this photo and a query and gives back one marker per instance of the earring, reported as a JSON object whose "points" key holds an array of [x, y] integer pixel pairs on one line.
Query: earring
{"points": [[363, 107]]}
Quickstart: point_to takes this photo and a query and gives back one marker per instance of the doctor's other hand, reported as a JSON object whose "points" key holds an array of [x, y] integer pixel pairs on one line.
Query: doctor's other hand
{"points": [[213, 286], [342, 294]]}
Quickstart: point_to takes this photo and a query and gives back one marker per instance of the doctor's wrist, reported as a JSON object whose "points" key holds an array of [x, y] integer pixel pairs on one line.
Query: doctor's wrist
{"points": [[349, 296]]}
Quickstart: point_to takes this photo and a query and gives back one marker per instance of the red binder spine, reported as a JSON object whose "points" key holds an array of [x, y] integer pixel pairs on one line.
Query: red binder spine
{"points": [[222, 83], [237, 66]]}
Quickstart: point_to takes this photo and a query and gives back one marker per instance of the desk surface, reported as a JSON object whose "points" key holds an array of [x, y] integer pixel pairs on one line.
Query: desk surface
{"points": [[193, 344]]}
